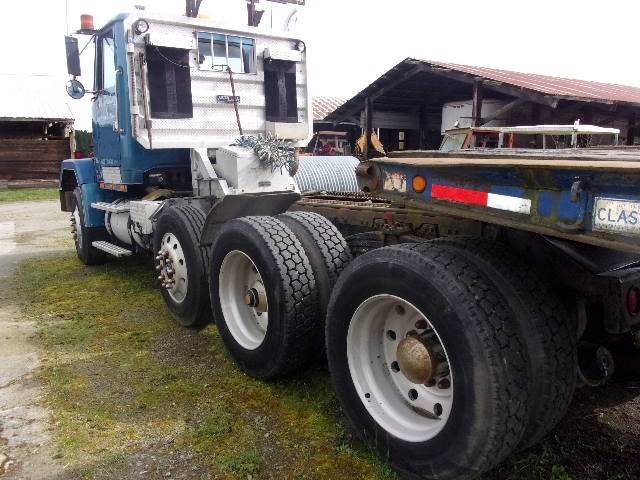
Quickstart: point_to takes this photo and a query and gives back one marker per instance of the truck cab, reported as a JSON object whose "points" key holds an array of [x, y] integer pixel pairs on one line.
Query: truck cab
{"points": [[166, 85]]}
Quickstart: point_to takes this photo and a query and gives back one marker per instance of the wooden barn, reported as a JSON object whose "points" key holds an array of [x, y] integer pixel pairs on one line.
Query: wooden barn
{"points": [[36, 127]]}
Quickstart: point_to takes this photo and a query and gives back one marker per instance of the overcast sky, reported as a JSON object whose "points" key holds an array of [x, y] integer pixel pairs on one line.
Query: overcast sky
{"points": [[352, 42]]}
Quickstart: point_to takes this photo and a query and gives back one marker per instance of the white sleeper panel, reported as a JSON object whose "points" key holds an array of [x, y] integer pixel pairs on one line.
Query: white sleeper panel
{"points": [[214, 122]]}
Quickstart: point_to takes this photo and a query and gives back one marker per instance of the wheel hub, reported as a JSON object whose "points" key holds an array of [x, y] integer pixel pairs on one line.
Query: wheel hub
{"points": [[172, 267], [165, 269], [243, 299], [400, 367], [256, 298], [416, 359]]}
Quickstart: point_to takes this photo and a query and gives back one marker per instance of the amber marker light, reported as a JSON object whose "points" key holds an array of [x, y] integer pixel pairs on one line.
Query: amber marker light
{"points": [[419, 184], [86, 22]]}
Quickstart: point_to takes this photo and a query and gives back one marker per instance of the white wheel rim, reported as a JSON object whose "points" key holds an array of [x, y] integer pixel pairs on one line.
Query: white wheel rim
{"points": [[173, 267], [77, 226], [243, 300], [410, 411]]}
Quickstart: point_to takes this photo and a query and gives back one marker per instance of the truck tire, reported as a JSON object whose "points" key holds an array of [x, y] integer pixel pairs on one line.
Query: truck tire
{"points": [[263, 296], [181, 264], [361, 243], [327, 251], [399, 319], [83, 235], [549, 332]]}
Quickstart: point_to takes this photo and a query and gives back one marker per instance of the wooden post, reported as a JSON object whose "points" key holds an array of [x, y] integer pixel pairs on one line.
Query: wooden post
{"points": [[631, 129], [422, 128], [476, 109], [368, 125], [535, 114]]}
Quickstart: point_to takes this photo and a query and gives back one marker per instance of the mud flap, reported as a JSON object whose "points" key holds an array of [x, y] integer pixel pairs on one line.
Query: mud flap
{"points": [[235, 206]]}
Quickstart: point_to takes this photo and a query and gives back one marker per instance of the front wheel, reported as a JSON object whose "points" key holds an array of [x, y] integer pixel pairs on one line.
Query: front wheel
{"points": [[425, 363], [84, 236]]}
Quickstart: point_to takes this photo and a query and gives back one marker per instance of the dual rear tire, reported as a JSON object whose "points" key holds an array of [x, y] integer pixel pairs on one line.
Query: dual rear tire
{"points": [[265, 281], [468, 411], [270, 283], [447, 356]]}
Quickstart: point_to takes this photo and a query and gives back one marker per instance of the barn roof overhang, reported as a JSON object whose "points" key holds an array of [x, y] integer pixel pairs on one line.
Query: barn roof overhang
{"points": [[414, 84]]}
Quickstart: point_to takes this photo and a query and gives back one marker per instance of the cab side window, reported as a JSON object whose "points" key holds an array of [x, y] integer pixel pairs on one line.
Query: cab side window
{"points": [[108, 63], [105, 68]]}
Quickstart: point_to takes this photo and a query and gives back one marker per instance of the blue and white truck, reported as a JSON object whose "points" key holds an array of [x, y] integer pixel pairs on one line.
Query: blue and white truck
{"points": [[474, 289]]}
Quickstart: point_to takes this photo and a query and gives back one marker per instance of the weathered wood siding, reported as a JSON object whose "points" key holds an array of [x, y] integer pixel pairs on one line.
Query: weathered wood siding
{"points": [[28, 158]]}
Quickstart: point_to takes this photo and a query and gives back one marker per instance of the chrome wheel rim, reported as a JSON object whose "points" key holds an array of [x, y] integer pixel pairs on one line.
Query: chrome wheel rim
{"points": [[400, 368], [172, 267], [243, 300]]}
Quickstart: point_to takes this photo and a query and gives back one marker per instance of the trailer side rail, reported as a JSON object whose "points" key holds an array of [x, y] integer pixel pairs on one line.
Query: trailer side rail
{"points": [[590, 199]]}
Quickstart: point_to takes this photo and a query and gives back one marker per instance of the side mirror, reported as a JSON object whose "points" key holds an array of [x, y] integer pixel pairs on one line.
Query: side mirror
{"points": [[75, 89], [73, 56]]}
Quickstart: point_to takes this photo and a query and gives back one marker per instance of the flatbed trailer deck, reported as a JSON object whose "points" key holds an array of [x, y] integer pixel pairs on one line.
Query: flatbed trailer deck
{"points": [[589, 196]]}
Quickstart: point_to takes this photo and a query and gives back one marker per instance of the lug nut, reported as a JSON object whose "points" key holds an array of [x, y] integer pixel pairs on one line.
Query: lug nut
{"points": [[160, 277]]}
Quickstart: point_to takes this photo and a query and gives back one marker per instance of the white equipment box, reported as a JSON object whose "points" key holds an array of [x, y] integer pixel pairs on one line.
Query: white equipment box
{"points": [[241, 168]]}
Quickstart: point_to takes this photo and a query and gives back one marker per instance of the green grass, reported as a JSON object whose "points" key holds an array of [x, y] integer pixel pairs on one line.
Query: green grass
{"points": [[24, 194], [132, 391], [124, 380]]}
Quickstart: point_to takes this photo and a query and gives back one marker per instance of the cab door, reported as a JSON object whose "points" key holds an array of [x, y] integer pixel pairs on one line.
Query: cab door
{"points": [[106, 131]]}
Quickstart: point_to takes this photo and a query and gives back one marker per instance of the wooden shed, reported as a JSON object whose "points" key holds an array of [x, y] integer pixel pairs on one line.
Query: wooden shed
{"points": [[412, 104], [36, 127]]}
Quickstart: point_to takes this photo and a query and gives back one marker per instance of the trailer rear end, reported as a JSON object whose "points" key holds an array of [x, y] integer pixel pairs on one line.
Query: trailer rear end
{"points": [[487, 286]]}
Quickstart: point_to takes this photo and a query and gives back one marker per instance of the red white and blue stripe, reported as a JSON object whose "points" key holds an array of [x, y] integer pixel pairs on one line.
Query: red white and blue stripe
{"points": [[485, 199]]}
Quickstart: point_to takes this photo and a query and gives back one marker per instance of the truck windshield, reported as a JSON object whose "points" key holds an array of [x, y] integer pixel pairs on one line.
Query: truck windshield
{"points": [[452, 142]]}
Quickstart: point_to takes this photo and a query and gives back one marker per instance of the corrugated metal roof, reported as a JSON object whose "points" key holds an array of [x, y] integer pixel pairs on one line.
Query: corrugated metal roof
{"points": [[545, 87], [24, 97], [323, 106], [565, 87]]}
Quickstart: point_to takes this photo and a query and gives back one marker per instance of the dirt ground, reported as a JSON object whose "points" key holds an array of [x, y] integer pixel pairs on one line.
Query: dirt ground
{"points": [[96, 381], [26, 441]]}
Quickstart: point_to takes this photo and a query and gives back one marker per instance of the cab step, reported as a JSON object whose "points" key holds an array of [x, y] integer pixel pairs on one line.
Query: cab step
{"points": [[112, 249], [111, 207]]}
